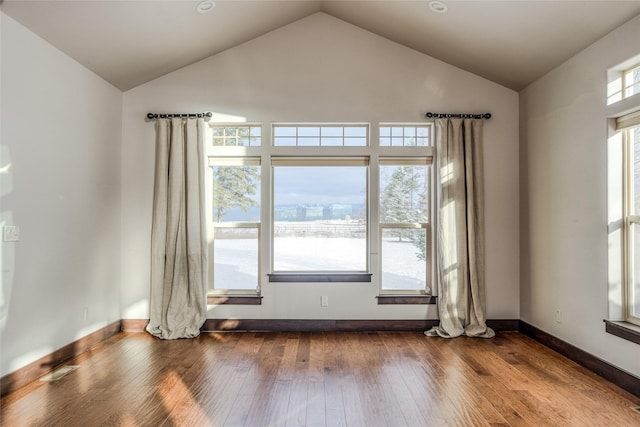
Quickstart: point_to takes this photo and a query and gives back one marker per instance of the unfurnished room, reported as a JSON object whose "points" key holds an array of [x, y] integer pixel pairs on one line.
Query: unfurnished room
{"points": [[320, 213]]}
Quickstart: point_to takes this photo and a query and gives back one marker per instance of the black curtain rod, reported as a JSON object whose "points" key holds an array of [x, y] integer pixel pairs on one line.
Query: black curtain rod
{"points": [[457, 116], [152, 116]]}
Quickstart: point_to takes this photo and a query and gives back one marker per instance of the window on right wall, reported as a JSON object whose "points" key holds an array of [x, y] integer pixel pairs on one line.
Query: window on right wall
{"points": [[623, 83], [623, 199], [631, 227]]}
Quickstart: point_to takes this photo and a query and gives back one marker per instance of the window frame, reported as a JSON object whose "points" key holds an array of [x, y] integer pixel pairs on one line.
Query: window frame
{"points": [[626, 87], [211, 288], [404, 126], [426, 225], [320, 161], [617, 85], [231, 155], [320, 126], [629, 219], [216, 160], [372, 151], [226, 126]]}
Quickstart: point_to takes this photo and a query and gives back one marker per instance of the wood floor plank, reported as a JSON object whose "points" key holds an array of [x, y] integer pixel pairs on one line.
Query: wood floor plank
{"points": [[334, 373], [321, 379], [315, 406]]}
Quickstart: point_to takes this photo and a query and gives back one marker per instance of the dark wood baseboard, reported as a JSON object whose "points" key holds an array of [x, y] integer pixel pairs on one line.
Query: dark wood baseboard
{"points": [[322, 325], [46, 364], [314, 325], [317, 325], [616, 375], [134, 325]]}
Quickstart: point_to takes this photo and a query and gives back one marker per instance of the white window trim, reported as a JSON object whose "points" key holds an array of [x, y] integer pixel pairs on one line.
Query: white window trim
{"points": [[267, 151], [211, 290], [429, 279], [429, 126], [230, 155], [213, 125], [616, 85], [284, 161], [631, 120]]}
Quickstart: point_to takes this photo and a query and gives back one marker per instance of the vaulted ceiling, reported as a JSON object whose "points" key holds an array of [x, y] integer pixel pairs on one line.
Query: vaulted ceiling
{"points": [[509, 42]]}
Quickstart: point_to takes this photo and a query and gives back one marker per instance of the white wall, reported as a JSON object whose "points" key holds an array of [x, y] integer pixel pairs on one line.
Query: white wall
{"points": [[323, 69], [564, 246], [60, 148]]}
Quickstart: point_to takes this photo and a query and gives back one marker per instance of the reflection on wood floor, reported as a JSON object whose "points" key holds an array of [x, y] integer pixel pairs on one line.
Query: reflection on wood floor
{"points": [[322, 379]]}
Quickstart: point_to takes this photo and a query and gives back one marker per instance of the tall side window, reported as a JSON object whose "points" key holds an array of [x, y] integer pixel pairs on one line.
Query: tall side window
{"points": [[235, 213], [632, 222], [405, 249]]}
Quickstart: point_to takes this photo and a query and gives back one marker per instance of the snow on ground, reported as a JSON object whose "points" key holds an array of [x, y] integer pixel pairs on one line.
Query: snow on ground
{"points": [[236, 260]]}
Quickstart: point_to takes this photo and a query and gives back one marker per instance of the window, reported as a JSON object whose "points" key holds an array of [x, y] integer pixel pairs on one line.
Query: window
{"points": [[234, 208], [632, 222], [404, 135], [404, 224], [320, 215], [631, 81], [321, 203], [623, 83], [236, 136], [235, 213], [320, 135]]}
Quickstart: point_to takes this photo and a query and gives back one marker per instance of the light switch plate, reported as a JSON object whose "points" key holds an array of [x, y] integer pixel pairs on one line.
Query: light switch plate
{"points": [[10, 233]]}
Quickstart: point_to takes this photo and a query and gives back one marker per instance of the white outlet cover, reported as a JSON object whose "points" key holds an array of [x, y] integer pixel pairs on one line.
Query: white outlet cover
{"points": [[10, 233]]}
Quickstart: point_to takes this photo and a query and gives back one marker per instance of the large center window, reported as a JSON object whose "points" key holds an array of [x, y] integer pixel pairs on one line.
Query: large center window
{"points": [[320, 215], [321, 202]]}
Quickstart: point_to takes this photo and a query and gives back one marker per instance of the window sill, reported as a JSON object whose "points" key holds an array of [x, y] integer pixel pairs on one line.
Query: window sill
{"points": [[624, 330], [319, 277], [234, 300], [406, 299]]}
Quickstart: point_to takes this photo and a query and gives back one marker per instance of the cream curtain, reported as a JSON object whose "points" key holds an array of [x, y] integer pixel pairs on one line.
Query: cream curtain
{"points": [[178, 235], [460, 239]]}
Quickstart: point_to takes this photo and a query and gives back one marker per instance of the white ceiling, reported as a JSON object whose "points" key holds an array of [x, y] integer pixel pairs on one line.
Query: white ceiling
{"points": [[510, 42]]}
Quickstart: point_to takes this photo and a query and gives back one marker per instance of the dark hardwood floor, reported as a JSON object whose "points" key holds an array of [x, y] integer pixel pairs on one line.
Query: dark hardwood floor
{"points": [[322, 379]]}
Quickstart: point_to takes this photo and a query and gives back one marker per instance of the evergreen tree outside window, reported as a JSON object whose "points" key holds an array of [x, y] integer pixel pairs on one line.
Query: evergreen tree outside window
{"points": [[404, 224], [331, 204], [235, 211]]}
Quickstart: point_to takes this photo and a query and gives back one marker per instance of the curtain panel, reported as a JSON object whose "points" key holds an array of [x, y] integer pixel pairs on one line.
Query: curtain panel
{"points": [[460, 235], [178, 235]]}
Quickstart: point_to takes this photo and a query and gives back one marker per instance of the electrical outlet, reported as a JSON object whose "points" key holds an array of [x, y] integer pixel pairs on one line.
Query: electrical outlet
{"points": [[558, 316], [324, 301], [85, 313], [10, 233]]}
